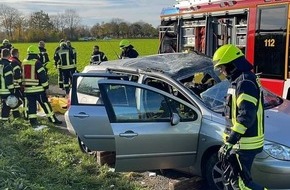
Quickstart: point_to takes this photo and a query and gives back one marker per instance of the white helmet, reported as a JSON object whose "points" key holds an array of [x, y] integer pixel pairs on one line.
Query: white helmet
{"points": [[12, 101]]}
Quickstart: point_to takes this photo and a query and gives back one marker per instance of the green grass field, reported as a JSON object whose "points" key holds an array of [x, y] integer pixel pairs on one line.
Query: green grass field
{"points": [[50, 159], [84, 51]]}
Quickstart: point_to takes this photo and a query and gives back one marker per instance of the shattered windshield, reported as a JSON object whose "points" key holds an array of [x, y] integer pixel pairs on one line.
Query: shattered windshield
{"points": [[214, 97]]}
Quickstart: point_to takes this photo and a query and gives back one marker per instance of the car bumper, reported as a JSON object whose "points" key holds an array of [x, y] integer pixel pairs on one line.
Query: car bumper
{"points": [[271, 173], [68, 124]]}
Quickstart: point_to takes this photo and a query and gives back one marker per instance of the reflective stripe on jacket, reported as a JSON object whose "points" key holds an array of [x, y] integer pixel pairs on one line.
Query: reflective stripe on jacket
{"points": [[17, 71], [244, 97], [34, 76], [6, 77], [65, 59]]}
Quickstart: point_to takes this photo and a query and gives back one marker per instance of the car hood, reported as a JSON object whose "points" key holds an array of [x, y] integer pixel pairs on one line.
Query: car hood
{"points": [[277, 124]]}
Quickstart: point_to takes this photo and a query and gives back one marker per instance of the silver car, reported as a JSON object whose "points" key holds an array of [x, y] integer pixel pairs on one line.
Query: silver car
{"points": [[165, 111]]}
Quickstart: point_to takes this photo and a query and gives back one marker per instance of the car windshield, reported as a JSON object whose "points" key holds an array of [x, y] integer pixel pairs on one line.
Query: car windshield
{"points": [[214, 97]]}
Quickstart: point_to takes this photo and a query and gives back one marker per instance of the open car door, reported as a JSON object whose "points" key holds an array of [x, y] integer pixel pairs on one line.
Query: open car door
{"points": [[152, 128], [87, 113]]}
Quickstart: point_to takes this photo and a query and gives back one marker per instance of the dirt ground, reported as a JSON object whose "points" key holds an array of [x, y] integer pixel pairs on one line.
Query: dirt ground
{"points": [[168, 179]]}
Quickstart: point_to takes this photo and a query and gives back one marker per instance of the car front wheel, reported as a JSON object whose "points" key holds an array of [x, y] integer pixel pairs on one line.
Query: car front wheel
{"points": [[83, 147], [213, 173]]}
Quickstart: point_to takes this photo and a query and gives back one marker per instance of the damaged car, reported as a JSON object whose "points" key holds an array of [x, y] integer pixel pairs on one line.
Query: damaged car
{"points": [[166, 111]]}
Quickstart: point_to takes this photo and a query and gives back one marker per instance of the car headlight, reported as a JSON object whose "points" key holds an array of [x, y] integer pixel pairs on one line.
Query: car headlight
{"points": [[277, 151]]}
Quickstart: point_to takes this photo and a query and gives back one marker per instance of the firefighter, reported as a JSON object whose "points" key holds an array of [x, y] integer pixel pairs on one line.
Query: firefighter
{"points": [[43, 56], [35, 84], [244, 132], [6, 85], [98, 56], [6, 44], [128, 50], [17, 79], [68, 43], [60, 76], [64, 58]]}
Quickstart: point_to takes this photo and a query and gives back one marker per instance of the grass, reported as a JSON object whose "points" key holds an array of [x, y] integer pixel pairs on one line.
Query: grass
{"points": [[48, 160], [84, 51]]}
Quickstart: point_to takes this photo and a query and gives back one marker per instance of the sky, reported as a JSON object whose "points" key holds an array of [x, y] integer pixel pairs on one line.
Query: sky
{"points": [[97, 11]]}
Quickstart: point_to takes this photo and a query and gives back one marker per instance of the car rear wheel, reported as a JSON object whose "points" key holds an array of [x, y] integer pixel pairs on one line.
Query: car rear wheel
{"points": [[83, 147], [213, 173]]}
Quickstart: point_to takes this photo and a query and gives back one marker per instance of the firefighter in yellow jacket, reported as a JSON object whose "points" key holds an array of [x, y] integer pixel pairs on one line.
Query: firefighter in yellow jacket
{"points": [[35, 82], [244, 113], [6, 85]]}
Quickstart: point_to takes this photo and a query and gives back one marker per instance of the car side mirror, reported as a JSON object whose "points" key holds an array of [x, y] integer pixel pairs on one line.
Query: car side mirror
{"points": [[175, 119]]}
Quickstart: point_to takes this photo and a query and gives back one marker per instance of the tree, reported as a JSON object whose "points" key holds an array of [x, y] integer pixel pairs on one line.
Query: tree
{"points": [[20, 26], [40, 26], [124, 29], [135, 30], [83, 31], [8, 18], [58, 22], [148, 30], [72, 20]]}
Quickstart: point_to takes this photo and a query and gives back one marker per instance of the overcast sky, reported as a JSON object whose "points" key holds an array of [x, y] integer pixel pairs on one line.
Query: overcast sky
{"points": [[96, 11]]}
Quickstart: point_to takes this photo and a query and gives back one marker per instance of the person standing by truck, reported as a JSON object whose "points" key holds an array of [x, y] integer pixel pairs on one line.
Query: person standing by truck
{"points": [[244, 113]]}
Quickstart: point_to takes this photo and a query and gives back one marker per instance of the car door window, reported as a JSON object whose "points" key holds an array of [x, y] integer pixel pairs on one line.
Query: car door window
{"points": [[134, 104], [88, 91], [185, 113]]}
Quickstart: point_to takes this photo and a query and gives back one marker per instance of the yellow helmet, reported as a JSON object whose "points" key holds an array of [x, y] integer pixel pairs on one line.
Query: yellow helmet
{"points": [[33, 50], [226, 54], [124, 43]]}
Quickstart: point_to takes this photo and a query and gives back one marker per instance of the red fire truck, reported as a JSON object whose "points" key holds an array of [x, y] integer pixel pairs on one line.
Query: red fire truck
{"points": [[259, 27]]}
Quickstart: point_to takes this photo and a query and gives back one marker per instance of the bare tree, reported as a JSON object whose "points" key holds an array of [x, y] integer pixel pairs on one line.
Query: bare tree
{"points": [[8, 18], [72, 19], [135, 30], [83, 31], [58, 22], [124, 29], [20, 27]]}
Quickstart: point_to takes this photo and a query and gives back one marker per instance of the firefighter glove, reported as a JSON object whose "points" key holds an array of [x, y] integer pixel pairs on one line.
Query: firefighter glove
{"points": [[224, 151]]}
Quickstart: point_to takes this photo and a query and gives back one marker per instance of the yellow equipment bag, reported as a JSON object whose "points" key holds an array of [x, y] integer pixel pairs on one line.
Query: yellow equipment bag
{"points": [[58, 104]]}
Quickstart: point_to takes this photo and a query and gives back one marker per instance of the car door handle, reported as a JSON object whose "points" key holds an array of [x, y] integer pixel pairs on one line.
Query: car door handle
{"points": [[81, 115], [128, 134]]}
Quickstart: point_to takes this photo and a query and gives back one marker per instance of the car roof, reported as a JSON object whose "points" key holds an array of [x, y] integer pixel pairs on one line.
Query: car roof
{"points": [[177, 65]]}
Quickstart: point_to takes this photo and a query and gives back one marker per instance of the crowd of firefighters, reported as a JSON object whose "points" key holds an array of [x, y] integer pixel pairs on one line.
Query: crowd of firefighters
{"points": [[27, 81]]}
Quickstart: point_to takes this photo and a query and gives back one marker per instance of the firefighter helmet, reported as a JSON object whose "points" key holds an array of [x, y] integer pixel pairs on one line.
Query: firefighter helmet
{"points": [[124, 43], [226, 54], [33, 50], [12, 101], [5, 41], [68, 43], [62, 44], [41, 43]]}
